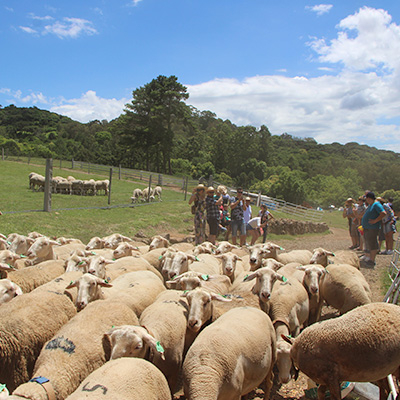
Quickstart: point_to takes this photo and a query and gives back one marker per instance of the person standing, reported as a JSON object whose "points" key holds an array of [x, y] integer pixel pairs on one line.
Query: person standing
{"points": [[388, 226], [359, 212], [238, 206], [265, 216], [371, 222], [348, 212], [213, 213], [198, 209]]}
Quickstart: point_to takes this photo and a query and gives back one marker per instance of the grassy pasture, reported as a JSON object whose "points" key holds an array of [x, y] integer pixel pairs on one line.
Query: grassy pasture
{"points": [[171, 215]]}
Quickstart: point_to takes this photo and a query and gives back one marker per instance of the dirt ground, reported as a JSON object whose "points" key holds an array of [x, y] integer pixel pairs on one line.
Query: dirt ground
{"points": [[337, 239]]}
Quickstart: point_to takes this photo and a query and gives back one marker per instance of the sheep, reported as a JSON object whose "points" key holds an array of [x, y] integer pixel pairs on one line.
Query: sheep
{"points": [[89, 187], [179, 264], [35, 235], [20, 244], [137, 195], [300, 256], [95, 243], [146, 192], [36, 182], [26, 324], [158, 242], [258, 253], [136, 289], [183, 246], [125, 249], [102, 185], [9, 257], [231, 357], [224, 247], [31, 277], [205, 247], [63, 251], [76, 263], [206, 264], [160, 338], [230, 265], [288, 310], [114, 240], [3, 244], [320, 256], [123, 379], [8, 290], [77, 187], [157, 257], [42, 249], [157, 192], [344, 287], [76, 349], [265, 280], [62, 240], [362, 345], [191, 280]]}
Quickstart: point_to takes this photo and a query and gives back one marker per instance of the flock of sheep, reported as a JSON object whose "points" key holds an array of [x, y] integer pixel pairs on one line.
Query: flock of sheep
{"points": [[118, 319], [147, 194], [70, 185]]}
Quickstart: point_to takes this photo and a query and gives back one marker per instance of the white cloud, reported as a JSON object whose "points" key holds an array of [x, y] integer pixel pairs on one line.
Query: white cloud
{"points": [[66, 28], [90, 107], [70, 27], [136, 2], [320, 9]]}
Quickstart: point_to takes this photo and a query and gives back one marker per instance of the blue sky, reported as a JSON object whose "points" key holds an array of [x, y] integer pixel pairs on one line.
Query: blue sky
{"points": [[329, 70]]}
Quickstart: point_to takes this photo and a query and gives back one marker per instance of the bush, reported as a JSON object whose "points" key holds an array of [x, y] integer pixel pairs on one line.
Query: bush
{"points": [[181, 166]]}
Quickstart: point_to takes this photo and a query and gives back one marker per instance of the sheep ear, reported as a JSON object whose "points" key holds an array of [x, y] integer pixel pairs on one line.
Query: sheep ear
{"points": [[237, 258], [301, 268], [220, 256], [288, 339], [107, 347], [106, 261], [104, 283], [329, 253], [281, 278], [54, 243], [177, 279], [154, 344], [190, 257], [72, 285], [250, 277], [219, 297]]}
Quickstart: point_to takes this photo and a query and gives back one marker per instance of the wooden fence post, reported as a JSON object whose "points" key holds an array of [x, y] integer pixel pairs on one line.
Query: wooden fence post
{"points": [[72, 164], [47, 185], [109, 186], [149, 193], [186, 186]]}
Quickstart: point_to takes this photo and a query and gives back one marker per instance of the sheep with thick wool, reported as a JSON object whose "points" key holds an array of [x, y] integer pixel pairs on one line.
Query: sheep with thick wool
{"points": [[76, 350], [26, 323], [124, 379], [362, 345], [231, 357]]}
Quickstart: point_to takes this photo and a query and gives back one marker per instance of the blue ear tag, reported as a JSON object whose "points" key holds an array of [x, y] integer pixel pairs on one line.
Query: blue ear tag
{"points": [[205, 277], [284, 279], [159, 348], [39, 379]]}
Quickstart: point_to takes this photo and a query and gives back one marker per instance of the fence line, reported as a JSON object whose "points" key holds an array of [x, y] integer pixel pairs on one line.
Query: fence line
{"points": [[307, 214], [393, 294]]}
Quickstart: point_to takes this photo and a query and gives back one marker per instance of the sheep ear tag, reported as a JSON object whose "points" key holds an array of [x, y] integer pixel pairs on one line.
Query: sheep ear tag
{"points": [[160, 257], [284, 279], [205, 277], [245, 277], [2, 387], [159, 348]]}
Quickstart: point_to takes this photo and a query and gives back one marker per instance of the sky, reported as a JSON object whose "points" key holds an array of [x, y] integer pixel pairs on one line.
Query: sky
{"points": [[328, 71]]}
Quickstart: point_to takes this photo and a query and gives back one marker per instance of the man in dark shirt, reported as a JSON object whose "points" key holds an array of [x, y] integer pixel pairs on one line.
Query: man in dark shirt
{"points": [[213, 213], [238, 206]]}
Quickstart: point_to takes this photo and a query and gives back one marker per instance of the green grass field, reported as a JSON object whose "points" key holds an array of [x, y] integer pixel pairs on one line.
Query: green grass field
{"points": [[171, 215]]}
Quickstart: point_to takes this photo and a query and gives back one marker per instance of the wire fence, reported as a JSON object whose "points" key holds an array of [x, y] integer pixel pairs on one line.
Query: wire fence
{"points": [[154, 178], [392, 295]]}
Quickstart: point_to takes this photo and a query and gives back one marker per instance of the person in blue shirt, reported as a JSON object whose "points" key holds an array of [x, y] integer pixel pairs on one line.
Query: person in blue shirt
{"points": [[371, 222]]}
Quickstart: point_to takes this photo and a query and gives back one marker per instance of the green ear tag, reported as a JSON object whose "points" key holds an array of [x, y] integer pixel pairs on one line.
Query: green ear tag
{"points": [[9, 243], [80, 263], [281, 248], [106, 281], [113, 327], [2, 387], [159, 348], [160, 257], [113, 259], [196, 259], [205, 277], [284, 279], [92, 253], [22, 256], [333, 254], [245, 277], [71, 282], [11, 266]]}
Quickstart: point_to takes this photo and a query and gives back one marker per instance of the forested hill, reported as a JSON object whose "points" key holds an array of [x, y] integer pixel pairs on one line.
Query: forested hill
{"points": [[190, 142]]}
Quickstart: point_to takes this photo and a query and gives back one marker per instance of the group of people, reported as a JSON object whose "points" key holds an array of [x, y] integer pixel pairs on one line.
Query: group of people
{"points": [[226, 214], [371, 221]]}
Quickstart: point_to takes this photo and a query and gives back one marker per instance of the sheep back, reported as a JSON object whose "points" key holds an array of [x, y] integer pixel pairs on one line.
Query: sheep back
{"points": [[362, 345], [231, 356], [26, 324], [130, 264], [124, 379], [300, 256], [77, 349], [344, 287]]}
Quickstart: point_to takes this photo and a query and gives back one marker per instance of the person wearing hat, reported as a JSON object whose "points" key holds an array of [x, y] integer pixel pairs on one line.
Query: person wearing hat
{"points": [[238, 206], [213, 213], [388, 226], [348, 212], [371, 222], [198, 198], [265, 216]]}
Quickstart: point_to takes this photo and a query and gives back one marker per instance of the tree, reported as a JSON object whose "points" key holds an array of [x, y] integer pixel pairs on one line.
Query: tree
{"points": [[153, 109]]}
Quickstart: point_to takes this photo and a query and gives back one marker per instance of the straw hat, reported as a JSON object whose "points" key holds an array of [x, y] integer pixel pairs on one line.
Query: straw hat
{"points": [[381, 199], [200, 186], [248, 199], [349, 200], [210, 189]]}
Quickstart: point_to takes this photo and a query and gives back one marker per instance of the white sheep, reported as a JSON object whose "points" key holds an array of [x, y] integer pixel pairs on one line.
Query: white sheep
{"points": [[230, 265], [42, 250], [95, 243], [205, 247], [26, 324], [160, 338], [114, 240], [125, 249], [20, 244], [146, 193], [158, 241], [231, 357], [8, 290], [123, 379], [191, 280], [183, 246], [320, 256], [137, 195], [224, 247], [362, 345], [299, 256], [344, 287], [76, 349]]}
